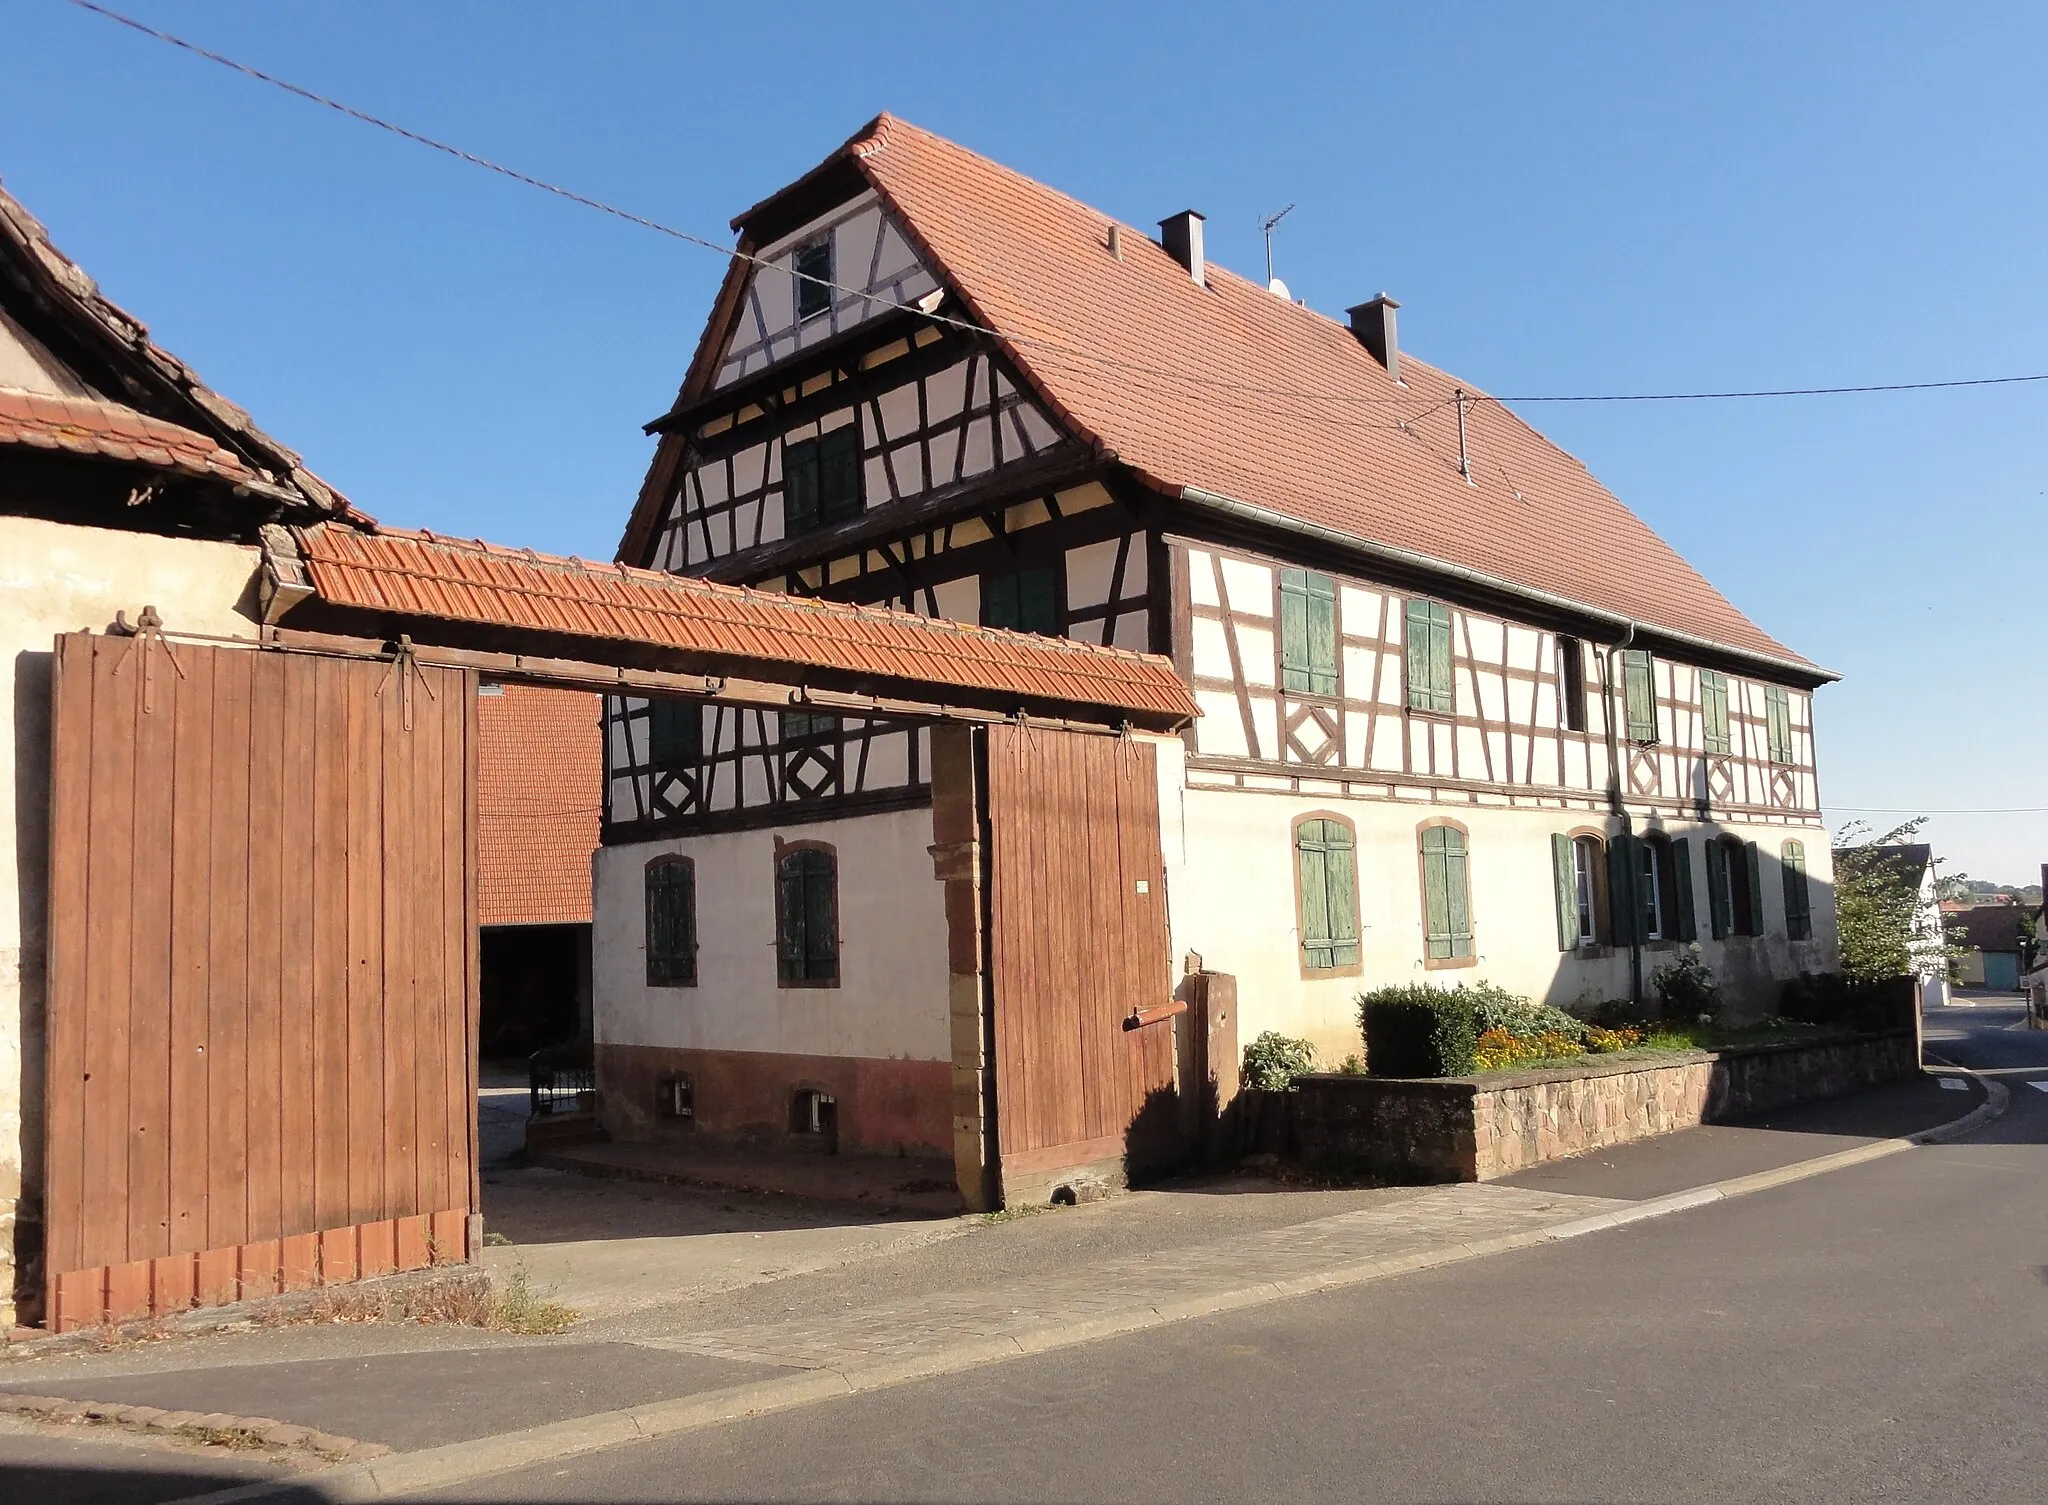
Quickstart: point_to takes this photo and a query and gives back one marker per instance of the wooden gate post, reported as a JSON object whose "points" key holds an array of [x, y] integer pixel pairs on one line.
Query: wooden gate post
{"points": [[956, 862]]}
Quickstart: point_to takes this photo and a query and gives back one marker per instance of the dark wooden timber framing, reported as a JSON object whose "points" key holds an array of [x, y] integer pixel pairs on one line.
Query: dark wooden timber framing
{"points": [[1317, 732]]}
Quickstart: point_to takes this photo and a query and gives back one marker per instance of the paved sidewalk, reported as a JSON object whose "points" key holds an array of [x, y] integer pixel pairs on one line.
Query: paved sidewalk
{"points": [[1446, 1218]]}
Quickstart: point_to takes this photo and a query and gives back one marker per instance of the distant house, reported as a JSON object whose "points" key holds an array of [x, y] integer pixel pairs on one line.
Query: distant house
{"points": [[1914, 863], [1993, 938]]}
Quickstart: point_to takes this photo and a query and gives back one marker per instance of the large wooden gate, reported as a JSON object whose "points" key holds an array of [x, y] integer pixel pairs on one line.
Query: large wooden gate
{"points": [[261, 1026], [1077, 947]]}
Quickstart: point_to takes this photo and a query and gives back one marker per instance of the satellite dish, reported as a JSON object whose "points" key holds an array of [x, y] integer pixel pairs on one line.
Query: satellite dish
{"points": [[1279, 290]]}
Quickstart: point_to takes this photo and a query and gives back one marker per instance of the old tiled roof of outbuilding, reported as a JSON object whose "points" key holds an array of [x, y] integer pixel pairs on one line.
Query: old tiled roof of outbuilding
{"points": [[1233, 391], [116, 394], [540, 777], [410, 574]]}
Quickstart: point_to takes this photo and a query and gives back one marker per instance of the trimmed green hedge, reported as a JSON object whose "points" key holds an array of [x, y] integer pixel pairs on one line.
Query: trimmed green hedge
{"points": [[1419, 1031]]}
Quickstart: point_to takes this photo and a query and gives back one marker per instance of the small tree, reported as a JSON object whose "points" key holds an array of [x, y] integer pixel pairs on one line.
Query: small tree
{"points": [[1877, 906]]}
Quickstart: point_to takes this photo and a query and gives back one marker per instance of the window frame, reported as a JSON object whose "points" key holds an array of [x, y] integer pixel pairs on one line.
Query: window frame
{"points": [[1055, 578], [1714, 691], [807, 291], [1471, 932], [784, 852], [813, 456], [1334, 942], [1778, 725], [1306, 607], [685, 713], [1438, 700], [1571, 682], [669, 976], [1589, 889], [1658, 884]]}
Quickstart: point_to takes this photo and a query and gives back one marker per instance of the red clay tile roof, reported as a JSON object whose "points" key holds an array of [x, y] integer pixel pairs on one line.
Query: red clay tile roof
{"points": [[110, 431], [1362, 456], [212, 435], [540, 776], [418, 574]]}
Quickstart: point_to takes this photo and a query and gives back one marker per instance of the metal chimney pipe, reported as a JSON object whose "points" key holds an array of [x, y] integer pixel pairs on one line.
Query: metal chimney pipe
{"points": [[1181, 237], [1373, 325]]}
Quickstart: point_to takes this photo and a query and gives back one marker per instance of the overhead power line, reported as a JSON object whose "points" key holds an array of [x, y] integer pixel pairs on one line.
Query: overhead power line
{"points": [[1917, 810], [968, 326]]}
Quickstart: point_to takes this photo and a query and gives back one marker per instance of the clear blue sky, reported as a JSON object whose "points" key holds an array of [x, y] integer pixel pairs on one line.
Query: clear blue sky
{"points": [[1565, 198]]}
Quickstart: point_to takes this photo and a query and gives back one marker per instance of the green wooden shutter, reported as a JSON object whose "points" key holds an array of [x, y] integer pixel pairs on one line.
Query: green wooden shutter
{"points": [[1308, 633], [821, 916], [1714, 710], [1720, 916], [1566, 880], [999, 601], [1624, 904], [1038, 601], [1753, 922], [839, 477], [671, 923], [1428, 656], [1798, 902], [1446, 895], [799, 487], [1681, 873], [1327, 872], [1343, 889], [1640, 690], [789, 938], [675, 733], [1312, 874], [1778, 719]]}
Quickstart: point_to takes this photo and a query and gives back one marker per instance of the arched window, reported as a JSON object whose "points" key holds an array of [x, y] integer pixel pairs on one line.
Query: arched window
{"points": [[1446, 896], [1326, 893], [806, 915], [1798, 903], [671, 923]]}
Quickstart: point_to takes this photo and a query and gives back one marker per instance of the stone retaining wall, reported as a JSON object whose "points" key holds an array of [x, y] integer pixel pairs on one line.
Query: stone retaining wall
{"points": [[1477, 1128]]}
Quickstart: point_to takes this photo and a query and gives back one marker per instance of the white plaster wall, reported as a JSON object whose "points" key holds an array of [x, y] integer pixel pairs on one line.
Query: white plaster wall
{"points": [[54, 578], [891, 999], [1230, 887]]}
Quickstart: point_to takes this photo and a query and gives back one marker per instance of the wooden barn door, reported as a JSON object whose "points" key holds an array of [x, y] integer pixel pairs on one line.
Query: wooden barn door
{"points": [[261, 1030], [1077, 944]]}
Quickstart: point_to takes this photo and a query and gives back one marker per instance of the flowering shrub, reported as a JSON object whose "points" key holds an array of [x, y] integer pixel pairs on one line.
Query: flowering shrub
{"points": [[1497, 1049], [1604, 1041]]}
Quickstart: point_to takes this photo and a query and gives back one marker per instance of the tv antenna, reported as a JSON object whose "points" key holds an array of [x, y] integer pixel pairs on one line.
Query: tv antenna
{"points": [[1266, 227]]}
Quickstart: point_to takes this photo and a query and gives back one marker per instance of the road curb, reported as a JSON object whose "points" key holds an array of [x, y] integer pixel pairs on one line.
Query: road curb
{"points": [[461, 1462]]}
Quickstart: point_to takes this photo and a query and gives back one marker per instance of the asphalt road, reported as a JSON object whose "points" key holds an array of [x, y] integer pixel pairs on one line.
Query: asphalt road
{"points": [[1880, 1333]]}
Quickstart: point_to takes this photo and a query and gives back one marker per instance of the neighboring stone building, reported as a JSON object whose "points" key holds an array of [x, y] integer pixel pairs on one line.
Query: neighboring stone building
{"points": [[1464, 715]]}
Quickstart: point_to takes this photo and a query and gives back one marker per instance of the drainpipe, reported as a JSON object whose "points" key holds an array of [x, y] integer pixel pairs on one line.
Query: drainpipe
{"points": [[1609, 675]]}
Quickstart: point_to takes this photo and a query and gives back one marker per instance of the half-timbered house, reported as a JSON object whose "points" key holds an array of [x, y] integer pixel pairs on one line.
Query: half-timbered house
{"points": [[1465, 716]]}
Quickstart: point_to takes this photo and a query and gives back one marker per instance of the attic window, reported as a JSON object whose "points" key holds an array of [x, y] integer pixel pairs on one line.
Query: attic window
{"points": [[813, 278]]}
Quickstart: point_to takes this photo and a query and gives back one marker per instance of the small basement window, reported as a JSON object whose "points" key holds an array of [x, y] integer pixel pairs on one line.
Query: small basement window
{"points": [[814, 1112], [676, 1097]]}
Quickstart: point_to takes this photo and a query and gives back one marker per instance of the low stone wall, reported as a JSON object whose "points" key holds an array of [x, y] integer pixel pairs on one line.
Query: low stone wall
{"points": [[1477, 1128]]}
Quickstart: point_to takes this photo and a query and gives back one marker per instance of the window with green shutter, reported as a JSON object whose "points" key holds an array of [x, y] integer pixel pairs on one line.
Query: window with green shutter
{"points": [[1639, 693], [1326, 893], [675, 733], [1023, 601], [1429, 656], [1308, 633], [671, 923], [1720, 901], [1798, 903], [805, 727], [821, 481], [1714, 706], [1446, 897], [1778, 720], [807, 917]]}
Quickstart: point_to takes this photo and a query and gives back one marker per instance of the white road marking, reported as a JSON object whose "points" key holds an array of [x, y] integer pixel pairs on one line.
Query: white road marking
{"points": [[2039, 1086], [1957, 1084]]}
